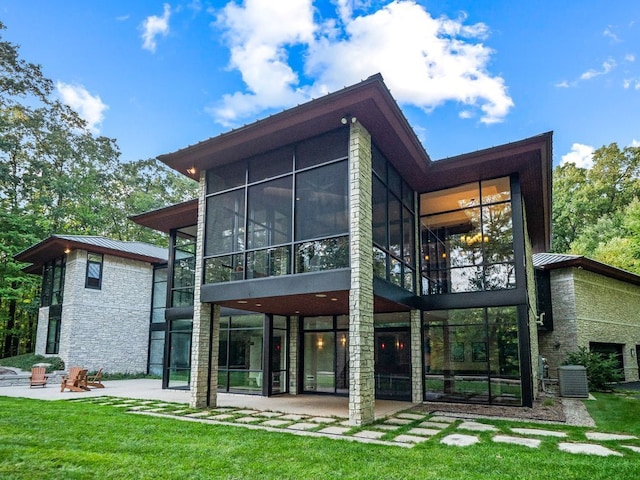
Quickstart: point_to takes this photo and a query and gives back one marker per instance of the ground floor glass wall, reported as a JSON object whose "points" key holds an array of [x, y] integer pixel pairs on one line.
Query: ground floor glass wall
{"points": [[326, 354], [393, 356], [471, 355], [179, 361]]}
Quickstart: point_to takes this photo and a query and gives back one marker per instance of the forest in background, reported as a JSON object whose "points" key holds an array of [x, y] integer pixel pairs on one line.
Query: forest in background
{"points": [[56, 177]]}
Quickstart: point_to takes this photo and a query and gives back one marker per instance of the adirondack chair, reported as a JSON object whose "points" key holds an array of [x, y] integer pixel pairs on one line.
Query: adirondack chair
{"points": [[76, 381], [95, 380], [38, 377]]}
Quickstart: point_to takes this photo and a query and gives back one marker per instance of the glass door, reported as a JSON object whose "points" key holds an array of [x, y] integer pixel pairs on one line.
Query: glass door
{"points": [[326, 355], [393, 364]]}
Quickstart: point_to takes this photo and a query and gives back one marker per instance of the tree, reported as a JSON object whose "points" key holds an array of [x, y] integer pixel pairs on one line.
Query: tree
{"points": [[595, 210]]}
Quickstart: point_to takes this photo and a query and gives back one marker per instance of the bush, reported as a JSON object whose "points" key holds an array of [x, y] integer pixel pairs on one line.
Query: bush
{"points": [[28, 360], [601, 369]]}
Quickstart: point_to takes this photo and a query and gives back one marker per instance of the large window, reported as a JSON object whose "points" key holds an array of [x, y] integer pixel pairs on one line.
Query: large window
{"points": [[53, 282], [53, 330], [184, 268], [326, 354], [393, 225], [467, 238], [281, 212], [471, 355], [94, 271]]}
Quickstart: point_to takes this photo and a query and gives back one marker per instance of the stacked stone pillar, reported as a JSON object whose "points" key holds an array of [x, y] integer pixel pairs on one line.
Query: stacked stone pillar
{"points": [[361, 334]]}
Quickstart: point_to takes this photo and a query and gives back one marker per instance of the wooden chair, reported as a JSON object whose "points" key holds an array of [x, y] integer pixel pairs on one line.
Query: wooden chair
{"points": [[38, 377], [76, 381], [95, 380]]}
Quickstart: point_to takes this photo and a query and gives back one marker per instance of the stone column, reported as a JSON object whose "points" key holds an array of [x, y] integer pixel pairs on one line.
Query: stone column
{"points": [[293, 355], [416, 357], [206, 329], [361, 335]]}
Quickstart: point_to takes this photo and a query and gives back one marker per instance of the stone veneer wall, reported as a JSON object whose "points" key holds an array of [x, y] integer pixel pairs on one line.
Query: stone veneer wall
{"points": [[204, 370], [361, 330], [293, 354], [41, 331], [589, 307], [417, 393], [106, 328], [531, 296]]}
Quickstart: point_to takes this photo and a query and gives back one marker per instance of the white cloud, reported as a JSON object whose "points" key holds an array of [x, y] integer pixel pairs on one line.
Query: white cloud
{"points": [[425, 61], [608, 32], [580, 155], [90, 107], [153, 26], [562, 84], [607, 66], [635, 143], [630, 57]]}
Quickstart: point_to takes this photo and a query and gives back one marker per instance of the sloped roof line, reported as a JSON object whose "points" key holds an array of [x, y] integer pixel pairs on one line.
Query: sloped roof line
{"points": [[554, 261]]}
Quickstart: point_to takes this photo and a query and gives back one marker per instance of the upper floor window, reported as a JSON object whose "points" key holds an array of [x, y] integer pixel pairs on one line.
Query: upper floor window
{"points": [[94, 271], [393, 225], [184, 267], [467, 238], [53, 282], [280, 212]]}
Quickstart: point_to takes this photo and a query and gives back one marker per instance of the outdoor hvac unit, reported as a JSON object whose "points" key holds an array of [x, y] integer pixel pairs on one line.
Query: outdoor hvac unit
{"points": [[573, 381]]}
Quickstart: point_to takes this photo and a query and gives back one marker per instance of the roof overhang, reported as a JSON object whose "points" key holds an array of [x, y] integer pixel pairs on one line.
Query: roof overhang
{"points": [[369, 101], [165, 219], [55, 247], [594, 266], [531, 159]]}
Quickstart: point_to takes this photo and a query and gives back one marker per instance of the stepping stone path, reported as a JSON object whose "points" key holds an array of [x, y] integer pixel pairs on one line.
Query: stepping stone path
{"points": [[405, 429]]}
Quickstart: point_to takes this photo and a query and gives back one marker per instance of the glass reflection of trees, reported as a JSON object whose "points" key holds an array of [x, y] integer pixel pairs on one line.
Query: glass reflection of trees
{"points": [[467, 238]]}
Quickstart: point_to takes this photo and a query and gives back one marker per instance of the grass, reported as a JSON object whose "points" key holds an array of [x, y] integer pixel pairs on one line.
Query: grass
{"points": [[80, 440], [617, 412], [26, 361]]}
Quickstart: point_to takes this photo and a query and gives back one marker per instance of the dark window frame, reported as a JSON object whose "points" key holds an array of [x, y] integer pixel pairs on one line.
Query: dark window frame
{"points": [[93, 282]]}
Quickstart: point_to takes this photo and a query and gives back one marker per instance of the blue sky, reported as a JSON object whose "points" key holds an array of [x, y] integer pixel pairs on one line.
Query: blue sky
{"points": [[159, 76]]}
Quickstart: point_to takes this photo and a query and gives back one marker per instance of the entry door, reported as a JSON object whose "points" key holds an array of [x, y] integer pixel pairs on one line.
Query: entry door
{"points": [[393, 364]]}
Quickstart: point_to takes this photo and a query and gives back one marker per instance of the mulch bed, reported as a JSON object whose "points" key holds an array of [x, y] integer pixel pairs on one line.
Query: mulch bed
{"points": [[550, 413]]}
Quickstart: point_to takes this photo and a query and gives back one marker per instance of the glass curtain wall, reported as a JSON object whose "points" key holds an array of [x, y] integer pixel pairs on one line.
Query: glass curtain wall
{"points": [[471, 355], [467, 238], [53, 282], [393, 356], [157, 330], [393, 225], [279, 355], [281, 212], [240, 358], [184, 269], [179, 361], [326, 354]]}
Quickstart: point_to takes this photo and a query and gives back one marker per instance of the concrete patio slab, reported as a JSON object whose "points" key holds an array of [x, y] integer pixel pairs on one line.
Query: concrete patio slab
{"points": [[588, 449], [458, 440], [525, 442], [539, 432], [608, 436]]}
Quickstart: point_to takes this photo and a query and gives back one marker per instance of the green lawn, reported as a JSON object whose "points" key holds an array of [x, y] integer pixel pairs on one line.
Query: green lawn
{"points": [[50, 440]]}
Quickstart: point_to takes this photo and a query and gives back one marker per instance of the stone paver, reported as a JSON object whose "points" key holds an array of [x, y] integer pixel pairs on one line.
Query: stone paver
{"points": [[293, 417], [204, 413], [588, 449], [248, 419], [410, 416], [430, 424], [389, 428], [222, 416], [425, 432], [335, 430], [397, 421], [322, 420], [409, 439], [269, 414], [443, 419], [369, 434], [526, 442], [477, 427], [275, 423], [632, 448], [539, 432], [458, 440], [247, 412], [608, 436], [302, 426]]}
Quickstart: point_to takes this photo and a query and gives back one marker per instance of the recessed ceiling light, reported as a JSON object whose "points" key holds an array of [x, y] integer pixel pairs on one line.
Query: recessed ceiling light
{"points": [[320, 295], [242, 301], [258, 304], [334, 299]]}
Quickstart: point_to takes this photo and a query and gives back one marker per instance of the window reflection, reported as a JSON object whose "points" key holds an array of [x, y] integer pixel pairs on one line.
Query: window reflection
{"points": [[467, 242]]}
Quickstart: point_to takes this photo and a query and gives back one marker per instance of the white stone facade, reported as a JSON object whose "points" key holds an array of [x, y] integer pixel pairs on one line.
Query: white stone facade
{"points": [[589, 307], [106, 328]]}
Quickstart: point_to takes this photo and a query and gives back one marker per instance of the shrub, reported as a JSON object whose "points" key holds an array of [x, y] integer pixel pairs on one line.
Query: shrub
{"points": [[601, 369], [28, 360]]}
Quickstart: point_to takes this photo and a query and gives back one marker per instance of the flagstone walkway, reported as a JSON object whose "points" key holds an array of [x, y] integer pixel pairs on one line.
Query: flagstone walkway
{"points": [[404, 429]]}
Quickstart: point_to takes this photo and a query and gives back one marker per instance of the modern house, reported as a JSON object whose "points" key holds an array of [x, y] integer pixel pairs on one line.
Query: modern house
{"points": [[328, 254], [95, 301], [588, 304]]}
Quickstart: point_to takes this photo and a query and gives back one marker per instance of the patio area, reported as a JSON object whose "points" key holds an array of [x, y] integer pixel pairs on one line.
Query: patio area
{"points": [[151, 389]]}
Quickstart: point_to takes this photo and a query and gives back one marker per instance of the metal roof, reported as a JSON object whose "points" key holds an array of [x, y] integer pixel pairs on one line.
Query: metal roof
{"points": [[554, 261]]}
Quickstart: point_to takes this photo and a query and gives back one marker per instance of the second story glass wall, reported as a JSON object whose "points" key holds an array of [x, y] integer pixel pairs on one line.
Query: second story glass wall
{"points": [[467, 238], [278, 213], [53, 282], [184, 267]]}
